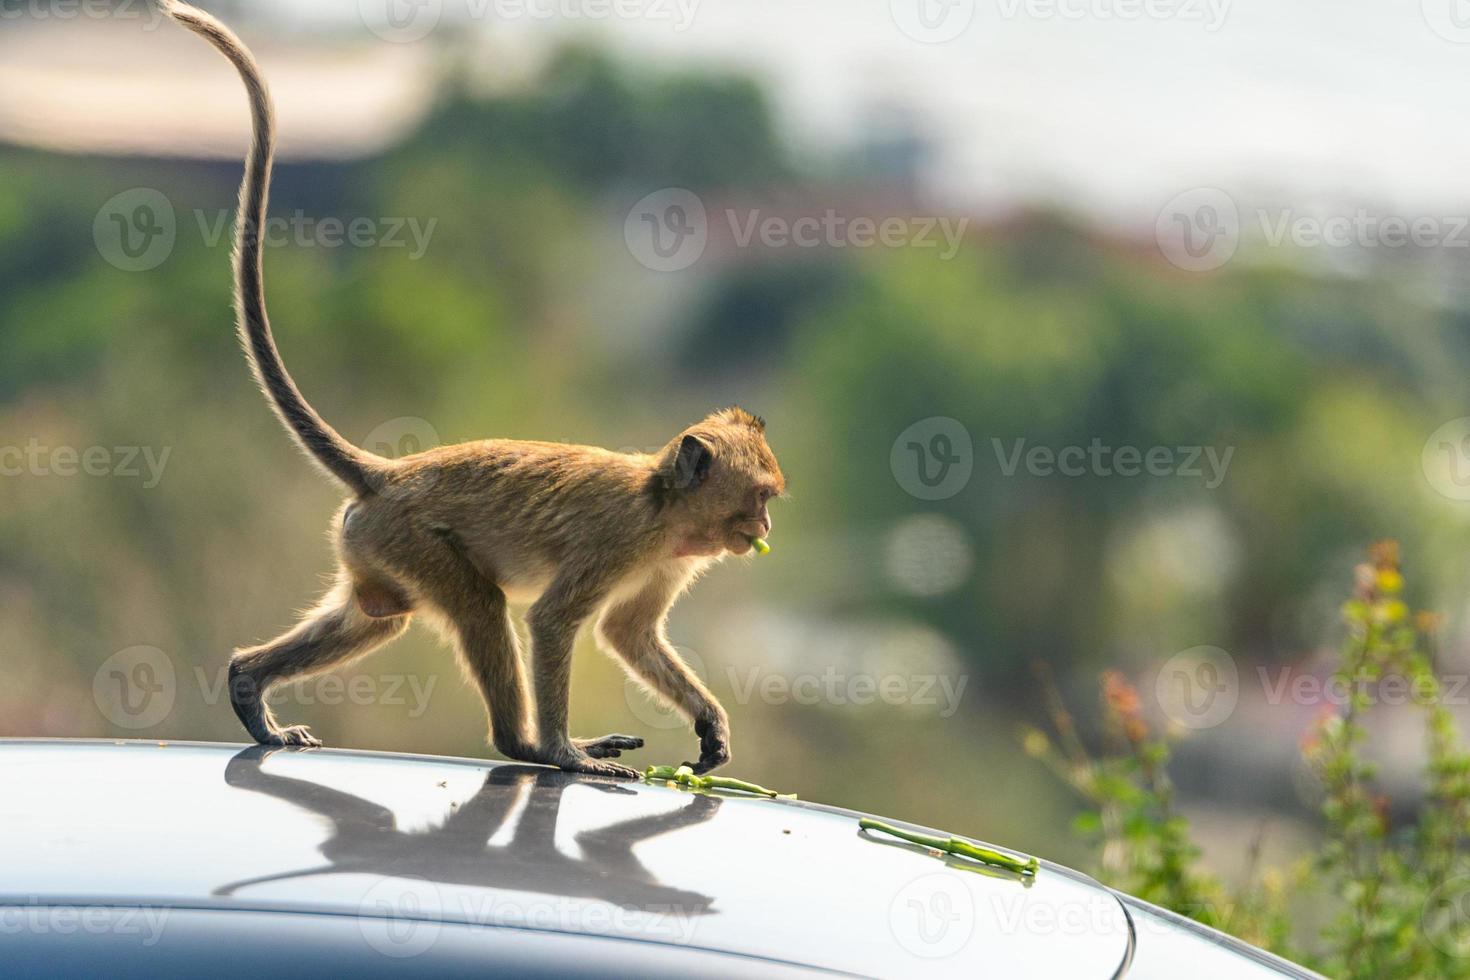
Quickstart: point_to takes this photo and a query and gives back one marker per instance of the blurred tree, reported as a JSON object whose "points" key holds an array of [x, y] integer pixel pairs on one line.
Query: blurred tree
{"points": [[597, 125], [1047, 341]]}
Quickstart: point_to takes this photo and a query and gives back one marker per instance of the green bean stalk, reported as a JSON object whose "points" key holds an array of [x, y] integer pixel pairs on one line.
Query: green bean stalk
{"points": [[957, 845], [684, 776]]}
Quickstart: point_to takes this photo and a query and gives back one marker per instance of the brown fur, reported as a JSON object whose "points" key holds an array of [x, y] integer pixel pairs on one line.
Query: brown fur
{"points": [[459, 532]]}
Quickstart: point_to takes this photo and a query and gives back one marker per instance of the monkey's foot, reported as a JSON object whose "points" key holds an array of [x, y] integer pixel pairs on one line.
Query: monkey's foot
{"points": [[714, 745], [294, 735], [608, 746]]}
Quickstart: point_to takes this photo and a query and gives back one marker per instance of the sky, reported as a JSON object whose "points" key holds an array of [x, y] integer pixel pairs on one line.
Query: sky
{"points": [[1107, 107]]}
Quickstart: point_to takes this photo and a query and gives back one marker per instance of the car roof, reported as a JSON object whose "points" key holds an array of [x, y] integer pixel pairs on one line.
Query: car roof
{"points": [[392, 838]]}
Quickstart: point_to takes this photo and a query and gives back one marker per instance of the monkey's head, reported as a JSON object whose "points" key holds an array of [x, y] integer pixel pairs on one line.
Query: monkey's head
{"points": [[717, 476]]}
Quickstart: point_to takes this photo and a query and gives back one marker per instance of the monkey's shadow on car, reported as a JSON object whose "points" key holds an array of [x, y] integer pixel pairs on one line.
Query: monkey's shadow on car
{"points": [[366, 838]]}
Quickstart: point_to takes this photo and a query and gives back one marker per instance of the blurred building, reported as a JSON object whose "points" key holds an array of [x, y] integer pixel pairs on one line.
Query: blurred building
{"points": [[133, 85]]}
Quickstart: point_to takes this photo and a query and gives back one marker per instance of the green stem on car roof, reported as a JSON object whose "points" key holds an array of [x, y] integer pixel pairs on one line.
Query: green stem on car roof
{"points": [[957, 845], [684, 776]]}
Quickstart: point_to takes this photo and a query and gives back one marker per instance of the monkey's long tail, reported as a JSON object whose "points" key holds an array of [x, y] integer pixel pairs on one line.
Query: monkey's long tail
{"points": [[340, 458]]}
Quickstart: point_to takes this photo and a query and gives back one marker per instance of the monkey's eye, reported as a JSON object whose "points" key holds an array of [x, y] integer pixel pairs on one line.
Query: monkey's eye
{"points": [[764, 494]]}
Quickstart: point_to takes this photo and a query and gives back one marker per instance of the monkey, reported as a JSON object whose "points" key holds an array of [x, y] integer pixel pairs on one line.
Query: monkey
{"points": [[459, 532]]}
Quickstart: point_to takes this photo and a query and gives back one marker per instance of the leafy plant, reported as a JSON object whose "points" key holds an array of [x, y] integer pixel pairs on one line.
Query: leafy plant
{"points": [[1398, 896]]}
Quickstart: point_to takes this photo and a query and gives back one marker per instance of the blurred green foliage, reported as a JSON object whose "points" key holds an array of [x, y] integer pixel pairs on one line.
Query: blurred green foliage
{"points": [[1393, 895]]}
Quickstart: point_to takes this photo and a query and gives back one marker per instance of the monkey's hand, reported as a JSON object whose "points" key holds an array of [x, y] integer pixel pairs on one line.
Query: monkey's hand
{"points": [[714, 744], [608, 746]]}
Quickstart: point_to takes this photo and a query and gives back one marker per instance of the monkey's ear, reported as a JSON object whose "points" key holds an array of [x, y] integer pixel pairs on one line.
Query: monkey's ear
{"points": [[691, 464]]}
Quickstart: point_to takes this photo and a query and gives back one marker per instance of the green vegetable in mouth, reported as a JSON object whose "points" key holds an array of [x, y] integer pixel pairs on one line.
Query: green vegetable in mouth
{"points": [[958, 845], [760, 546], [684, 776]]}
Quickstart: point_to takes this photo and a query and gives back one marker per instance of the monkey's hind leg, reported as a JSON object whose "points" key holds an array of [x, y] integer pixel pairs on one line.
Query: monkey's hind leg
{"points": [[554, 621], [475, 611], [335, 631]]}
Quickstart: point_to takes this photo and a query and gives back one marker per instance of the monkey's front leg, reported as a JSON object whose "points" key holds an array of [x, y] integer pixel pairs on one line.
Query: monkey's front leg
{"points": [[634, 630], [553, 622], [651, 657]]}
